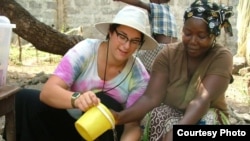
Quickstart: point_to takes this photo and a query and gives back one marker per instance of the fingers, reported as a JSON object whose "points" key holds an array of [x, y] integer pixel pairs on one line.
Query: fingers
{"points": [[87, 100]]}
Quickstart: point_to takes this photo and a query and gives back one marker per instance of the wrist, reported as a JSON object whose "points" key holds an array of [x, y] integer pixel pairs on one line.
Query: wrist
{"points": [[74, 96], [118, 119]]}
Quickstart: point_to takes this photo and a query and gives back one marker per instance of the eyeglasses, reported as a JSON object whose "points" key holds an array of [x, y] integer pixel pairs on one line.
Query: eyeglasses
{"points": [[124, 39]]}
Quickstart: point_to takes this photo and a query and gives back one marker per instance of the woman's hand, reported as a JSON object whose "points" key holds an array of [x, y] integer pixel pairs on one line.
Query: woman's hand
{"points": [[115, 114], [131, 132], [168, 136], [87, 100]]}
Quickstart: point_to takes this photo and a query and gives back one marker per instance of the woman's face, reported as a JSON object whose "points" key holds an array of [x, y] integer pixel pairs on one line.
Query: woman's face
{"points": [[124, 41], [196, 37]]}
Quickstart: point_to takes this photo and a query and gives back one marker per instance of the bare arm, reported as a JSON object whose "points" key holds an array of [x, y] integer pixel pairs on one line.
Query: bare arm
{"points": [[211, 88], [132, 132], [56, 94], [152, 97], [137, 3]]}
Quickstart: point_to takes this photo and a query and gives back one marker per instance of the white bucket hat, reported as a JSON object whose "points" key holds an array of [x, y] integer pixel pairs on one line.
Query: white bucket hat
{"points": [[133, 17]]}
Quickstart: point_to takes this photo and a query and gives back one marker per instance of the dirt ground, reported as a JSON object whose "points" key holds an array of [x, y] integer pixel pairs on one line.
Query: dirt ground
{"points": [[238, 100]]}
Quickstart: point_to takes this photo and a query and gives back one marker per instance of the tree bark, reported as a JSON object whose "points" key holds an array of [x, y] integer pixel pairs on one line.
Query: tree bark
{"points": [[42, 36]]}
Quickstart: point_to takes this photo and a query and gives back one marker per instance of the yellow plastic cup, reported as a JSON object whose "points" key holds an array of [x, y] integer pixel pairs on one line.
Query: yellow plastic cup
{"points": [[95, 122]]}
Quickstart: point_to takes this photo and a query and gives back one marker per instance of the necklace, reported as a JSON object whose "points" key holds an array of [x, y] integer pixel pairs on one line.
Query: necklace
{"points": [[105, 71]]}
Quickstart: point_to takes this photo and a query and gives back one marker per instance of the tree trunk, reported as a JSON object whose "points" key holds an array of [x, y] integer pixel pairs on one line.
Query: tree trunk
{"points": [[42, 36]]}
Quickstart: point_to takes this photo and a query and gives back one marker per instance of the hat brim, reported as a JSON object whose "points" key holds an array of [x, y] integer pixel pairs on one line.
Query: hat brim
{"points": [[149, 42]]}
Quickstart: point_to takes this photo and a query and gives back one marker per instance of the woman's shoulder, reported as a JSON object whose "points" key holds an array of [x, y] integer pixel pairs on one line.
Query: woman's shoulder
{"points": [[138, 67], [220, 49], [89, 41], [173, 47]]}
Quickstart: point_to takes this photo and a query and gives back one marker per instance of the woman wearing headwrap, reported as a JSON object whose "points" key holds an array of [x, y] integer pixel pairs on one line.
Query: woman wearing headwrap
{"points": [[188, 79]]}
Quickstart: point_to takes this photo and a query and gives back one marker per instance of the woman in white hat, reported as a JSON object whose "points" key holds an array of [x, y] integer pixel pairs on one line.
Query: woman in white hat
{"points": [[92, 71]]}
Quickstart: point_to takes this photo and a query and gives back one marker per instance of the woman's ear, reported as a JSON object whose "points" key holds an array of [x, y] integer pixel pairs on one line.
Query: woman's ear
{"points": [[214, 41], [108, 35]]}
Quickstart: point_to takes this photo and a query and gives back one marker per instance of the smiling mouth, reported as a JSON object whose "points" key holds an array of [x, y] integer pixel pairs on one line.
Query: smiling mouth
{"points": [[123, 51], [193, 50]]}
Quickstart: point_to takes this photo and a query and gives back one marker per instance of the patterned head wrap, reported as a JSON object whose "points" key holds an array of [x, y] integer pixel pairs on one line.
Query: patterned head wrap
{"points": [[214, 15]]}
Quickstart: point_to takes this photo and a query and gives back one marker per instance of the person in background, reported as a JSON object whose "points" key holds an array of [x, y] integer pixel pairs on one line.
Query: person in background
{"points": [[91, 72], [162, 23], [189, 79]]}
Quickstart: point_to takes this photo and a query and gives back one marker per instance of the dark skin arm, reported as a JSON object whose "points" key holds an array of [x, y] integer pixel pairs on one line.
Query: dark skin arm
{"points": [[137, 3], [142, 4], [152, 97], [211, 88]]}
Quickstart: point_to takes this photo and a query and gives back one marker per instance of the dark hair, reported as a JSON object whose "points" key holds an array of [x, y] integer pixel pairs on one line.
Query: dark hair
{"points": [[113, 27]]}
